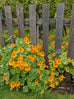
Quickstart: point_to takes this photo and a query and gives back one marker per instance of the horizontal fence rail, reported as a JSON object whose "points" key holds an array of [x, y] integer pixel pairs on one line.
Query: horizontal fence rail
{"points": [[52, 21]]}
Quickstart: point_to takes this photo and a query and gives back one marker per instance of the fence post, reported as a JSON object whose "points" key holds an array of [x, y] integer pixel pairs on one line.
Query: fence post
{"points": [[32, 17], [59, 28], [1, 31], [71, 42], [71, 36], [9, 24], [45, 22], [20, 20]]}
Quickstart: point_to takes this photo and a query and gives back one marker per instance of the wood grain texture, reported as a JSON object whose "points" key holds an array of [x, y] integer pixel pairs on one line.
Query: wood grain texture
{"points": [[45, 23], [32, 20], [59, 28], [9, 24], [1, 31], [20, 20], [71, 37]]}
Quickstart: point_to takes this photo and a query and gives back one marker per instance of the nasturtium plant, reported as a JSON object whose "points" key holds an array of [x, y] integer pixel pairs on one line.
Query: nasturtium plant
{"points": [[22, 65]]}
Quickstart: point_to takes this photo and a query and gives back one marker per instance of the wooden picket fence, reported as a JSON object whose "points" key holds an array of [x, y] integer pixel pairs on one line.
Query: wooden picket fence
{"points": [[33, 27]]}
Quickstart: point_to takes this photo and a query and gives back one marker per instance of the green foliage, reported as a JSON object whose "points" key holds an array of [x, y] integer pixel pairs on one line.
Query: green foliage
{"points": [[22, 66], [53, 5]]}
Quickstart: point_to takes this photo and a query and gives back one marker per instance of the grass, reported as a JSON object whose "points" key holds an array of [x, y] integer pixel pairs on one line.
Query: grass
{"points": [[5, 93]]}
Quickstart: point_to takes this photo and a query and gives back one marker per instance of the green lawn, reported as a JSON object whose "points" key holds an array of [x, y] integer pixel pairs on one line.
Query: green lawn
{"points": [[6, 94]]}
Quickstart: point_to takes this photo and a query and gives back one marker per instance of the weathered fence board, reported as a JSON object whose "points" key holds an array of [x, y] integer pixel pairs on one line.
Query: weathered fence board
{"points": [[9, 24], [71, 43], [45, 14], [32, 17], [71, 37], [59, 28], [20, 20], [1, 31]]}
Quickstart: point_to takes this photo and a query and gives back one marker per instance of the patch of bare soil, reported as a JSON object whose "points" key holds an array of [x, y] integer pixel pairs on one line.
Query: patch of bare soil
{"points": [[65, 88]]}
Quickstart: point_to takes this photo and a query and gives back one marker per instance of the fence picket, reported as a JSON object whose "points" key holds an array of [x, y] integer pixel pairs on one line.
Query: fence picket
{"points": [[32, 17], [71, 37], [20, 20], [9, 24], [45, 14], [59, 28], [1, 31]]}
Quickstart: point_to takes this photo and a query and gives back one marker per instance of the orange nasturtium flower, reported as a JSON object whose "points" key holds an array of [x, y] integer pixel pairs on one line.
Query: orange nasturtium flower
{"points": [[55, 65], [21, 50], [67, 70], [32, 51], [52, 84], [50, 60], [5, 78], [38, 46], [14, 54], [17, 84], [50, 79], [16, 31], [52, 73], [52, 68], [40, 78], [56, 83], [42, 54], [32, 58], [34, 48], [52, 45], [58, 61], [45, 82], [36, 83], [53, 54], [16, 64], [11, 62], [40, 64], [69, 60], [26, 40], [41, 41], [21, 68], [41, 31], [20, 58], [14, 36], [13, 85], [5, 34], [61, 78], [57, 74], [13, 45], [27, 68], [38, 70]]}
